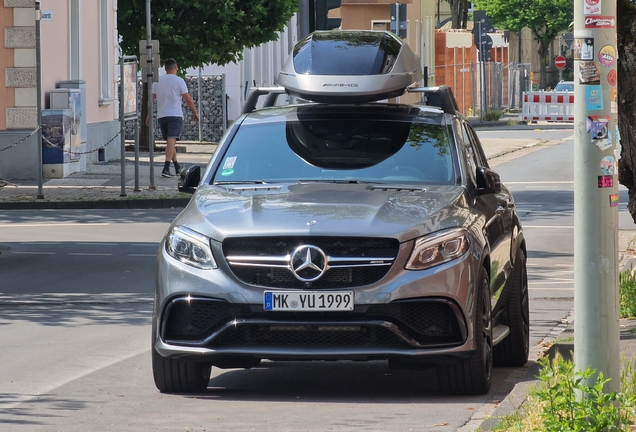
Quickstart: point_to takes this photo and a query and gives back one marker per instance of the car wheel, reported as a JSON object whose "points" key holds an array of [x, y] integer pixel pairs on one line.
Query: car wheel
{"points": [[514, 349], [472, 375], [175, 376]]}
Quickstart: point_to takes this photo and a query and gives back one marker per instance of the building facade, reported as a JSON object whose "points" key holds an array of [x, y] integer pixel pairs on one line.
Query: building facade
{"points": [[78, 45]]}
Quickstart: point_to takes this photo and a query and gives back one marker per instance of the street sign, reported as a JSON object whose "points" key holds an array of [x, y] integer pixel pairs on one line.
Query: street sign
{"points": [[559, 62]]}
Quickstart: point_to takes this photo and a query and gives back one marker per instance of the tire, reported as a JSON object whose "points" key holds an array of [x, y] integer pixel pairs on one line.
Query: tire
{"points": [[174, 376], [472, 375], [513, 351]]}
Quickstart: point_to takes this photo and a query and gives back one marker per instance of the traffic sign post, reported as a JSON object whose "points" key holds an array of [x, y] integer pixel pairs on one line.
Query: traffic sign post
{"points": [[559, 62]]}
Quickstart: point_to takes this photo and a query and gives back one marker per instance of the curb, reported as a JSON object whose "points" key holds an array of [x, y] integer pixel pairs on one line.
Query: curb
{"points": [[106, 204]]}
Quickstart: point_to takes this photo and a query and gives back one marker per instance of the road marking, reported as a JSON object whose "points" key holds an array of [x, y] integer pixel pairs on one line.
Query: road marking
{"points": [[142, 255], [33, 253], [89, 254], [551, 289], [549, 226], [98, 244], [49, 225], [540, 182]]}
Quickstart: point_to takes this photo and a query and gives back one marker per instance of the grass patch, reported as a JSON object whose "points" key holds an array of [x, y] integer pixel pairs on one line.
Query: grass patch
{"points": [[627, 293]]}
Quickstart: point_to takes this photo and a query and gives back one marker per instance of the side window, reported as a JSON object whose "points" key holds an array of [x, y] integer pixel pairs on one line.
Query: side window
{"points": [[471, 156], [476, 148]]}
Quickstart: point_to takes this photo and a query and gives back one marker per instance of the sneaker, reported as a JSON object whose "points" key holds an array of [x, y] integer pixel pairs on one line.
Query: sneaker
{"points": [[166, 173]]}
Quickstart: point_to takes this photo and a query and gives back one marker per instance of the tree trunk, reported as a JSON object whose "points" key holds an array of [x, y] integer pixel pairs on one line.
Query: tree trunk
{"points": [[626, 32], [455, 13], [543, 56]]}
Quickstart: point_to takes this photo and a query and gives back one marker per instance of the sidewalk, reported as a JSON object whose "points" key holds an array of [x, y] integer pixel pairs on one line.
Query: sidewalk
{"points": [[100, 185]]}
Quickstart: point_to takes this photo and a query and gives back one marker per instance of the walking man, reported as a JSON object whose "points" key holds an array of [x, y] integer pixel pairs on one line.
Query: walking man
{"points": [[168, 92]]}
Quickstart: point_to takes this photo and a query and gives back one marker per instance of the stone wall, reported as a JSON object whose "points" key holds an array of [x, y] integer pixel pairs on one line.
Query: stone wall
{"points": [[212, 115]]}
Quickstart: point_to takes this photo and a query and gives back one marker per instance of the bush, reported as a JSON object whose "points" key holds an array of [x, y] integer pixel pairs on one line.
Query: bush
{"points": [[627, 293], [594, 410], [493, 115]]}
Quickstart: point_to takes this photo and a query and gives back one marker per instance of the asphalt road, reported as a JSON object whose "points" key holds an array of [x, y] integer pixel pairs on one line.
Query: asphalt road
{"points": [[75, 309]]}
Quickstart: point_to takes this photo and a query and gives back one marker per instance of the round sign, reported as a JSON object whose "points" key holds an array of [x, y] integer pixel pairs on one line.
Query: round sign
{"points": [[611, 77], [559, 62]]}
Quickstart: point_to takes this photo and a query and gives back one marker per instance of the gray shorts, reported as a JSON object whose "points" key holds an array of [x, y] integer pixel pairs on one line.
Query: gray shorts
{"points": [[170, 127]]}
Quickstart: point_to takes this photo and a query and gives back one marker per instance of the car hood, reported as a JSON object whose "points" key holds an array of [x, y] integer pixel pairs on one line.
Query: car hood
{"points": [[323, 209]]}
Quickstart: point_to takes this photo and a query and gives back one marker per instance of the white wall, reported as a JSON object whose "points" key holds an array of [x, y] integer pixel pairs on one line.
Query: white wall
{"points": [[259, 68]]}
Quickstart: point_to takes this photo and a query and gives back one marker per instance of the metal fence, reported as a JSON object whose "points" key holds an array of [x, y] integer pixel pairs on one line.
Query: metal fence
{"points": [[485, 86], [209, 95]]}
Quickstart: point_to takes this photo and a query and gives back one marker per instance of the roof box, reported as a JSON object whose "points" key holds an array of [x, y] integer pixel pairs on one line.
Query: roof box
{"points": [[350, 67]]}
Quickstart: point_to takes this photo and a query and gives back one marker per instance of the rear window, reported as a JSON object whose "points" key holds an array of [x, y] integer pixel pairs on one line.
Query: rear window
{"points": [[564, 87], [339, 149]]}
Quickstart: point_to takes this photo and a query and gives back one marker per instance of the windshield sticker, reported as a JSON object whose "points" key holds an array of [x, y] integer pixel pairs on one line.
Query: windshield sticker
{"points": [[608, 165], [229, 162], [227, 172], [607, 55], [594, 98], [614, 200], [605, 181], [592, 7]]}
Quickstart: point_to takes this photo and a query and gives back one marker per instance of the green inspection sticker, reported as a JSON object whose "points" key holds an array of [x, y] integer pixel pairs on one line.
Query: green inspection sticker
{"points": [[227, 172]]}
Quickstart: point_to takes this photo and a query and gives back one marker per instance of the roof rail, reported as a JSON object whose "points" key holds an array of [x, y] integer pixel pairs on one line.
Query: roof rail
{"points": [[272, 94], [440, 96]]}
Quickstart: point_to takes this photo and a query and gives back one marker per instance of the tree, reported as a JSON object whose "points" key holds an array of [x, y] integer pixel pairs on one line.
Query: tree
{"points": [[198, 32], [459, 13], [626, 33], [545, 18]]}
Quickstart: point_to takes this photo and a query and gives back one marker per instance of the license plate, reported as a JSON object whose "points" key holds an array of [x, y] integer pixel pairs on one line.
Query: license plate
{"points": [[316, 301]]}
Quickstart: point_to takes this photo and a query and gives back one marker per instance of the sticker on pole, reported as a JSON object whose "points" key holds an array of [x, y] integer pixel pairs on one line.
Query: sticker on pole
{"points": [[592, 7], [607, 55], [605, 181], [613, 200]]}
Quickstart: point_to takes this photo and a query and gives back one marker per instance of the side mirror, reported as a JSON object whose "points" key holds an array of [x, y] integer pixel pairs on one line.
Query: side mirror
{"points": [[488, 181], [189, 179]]}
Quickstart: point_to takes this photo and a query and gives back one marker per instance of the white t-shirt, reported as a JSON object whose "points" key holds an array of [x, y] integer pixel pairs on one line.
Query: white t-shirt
{"points": [[168, 90]]}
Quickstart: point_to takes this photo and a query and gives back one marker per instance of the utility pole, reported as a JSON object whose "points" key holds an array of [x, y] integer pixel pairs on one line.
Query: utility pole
{"points": [[596, 152], [149, 80], [38, 73]]}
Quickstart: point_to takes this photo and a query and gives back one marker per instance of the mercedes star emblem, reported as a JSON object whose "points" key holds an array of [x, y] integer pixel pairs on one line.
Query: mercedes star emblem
{"points": [[308, 263]]}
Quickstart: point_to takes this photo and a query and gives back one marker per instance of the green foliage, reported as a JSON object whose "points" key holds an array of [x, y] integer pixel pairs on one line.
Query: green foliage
{"points": [[627, 293], [493, 115], [197, 32], [545, 18], [590, 410]]}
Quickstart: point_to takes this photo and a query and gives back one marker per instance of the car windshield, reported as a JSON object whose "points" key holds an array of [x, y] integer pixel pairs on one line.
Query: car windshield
{"points": [[564, 87], [336, 148]]}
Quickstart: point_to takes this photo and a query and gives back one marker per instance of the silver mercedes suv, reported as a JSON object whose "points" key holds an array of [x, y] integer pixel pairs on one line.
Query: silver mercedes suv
{"points": [[344, 228]]}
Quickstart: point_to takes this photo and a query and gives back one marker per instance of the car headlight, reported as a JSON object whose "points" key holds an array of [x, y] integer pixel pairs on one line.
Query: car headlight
{"points": [[190, 248], [438, 248]]}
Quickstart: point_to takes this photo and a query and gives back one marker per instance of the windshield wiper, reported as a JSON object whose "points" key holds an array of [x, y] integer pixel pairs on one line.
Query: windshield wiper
{"points": [[230, 182], [343, 181]]}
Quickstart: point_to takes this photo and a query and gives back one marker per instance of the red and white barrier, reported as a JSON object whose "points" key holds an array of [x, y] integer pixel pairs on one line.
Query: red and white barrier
{"points": [[548, 106]]}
